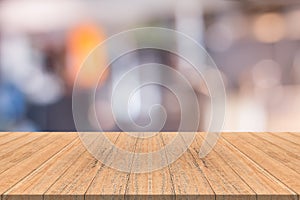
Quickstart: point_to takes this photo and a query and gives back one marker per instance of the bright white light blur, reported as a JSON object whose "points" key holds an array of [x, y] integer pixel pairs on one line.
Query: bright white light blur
{"points": [[250, 109], [35, 15], [43, 88], [18, 67]]}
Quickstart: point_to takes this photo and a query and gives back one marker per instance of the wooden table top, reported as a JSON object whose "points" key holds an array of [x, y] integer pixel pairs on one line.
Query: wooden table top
{"points": [[241, 166]]}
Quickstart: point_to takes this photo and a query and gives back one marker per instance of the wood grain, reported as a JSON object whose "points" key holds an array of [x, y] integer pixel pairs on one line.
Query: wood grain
{"points": [[155, 183], [289, 137], [108, 182], [76, 180], [27, 166], [7, 137], [22, 148], [279, 170], [226, 183], [258, 179], [57, 166], [288, 154], [188, 178]]}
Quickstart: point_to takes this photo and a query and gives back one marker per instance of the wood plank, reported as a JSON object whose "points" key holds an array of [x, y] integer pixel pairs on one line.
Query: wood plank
{"points": [[156, 184], [36, 183], [19, 171], [73, 184], [286, 175], [57, 166], [297, 134], [225, 182], [110, 183], [22, 148], [292, 137], [19, 142], [187, 176], [7, 137], [15, 156], [260, 181], [281, 143], [3, 134], [282, 154]]}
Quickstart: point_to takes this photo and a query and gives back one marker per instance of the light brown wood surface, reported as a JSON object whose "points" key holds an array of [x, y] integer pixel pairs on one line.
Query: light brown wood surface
{"points": [[56, 165]]}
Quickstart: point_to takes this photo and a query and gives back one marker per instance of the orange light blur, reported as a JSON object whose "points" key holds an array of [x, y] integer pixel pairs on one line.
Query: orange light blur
{"points": [[81, 40]]}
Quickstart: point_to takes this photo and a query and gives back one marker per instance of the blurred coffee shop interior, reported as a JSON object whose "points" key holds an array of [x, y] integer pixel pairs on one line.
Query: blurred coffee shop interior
{"points": [[255, 44]]}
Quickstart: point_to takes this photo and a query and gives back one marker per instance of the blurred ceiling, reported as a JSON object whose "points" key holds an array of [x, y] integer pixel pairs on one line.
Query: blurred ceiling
{"points": [[47, 15]]}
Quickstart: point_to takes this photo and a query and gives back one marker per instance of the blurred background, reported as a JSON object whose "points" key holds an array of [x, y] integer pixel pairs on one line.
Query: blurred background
{"points": [[255, 44]]}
